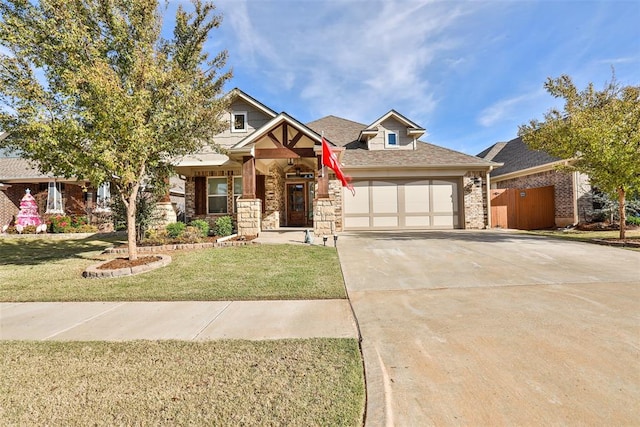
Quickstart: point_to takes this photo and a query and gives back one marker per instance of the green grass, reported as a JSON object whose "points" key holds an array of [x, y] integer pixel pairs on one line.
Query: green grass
{"points": [[47, 270], [285, 382], [586, 235]]}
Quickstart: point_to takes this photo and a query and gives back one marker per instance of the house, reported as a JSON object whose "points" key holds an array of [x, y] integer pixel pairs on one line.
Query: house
{"points": [[527, 169], [57, 195], [54, 195], [269, 175]]}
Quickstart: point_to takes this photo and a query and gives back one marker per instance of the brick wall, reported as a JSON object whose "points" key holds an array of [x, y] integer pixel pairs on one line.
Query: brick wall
{"points": [[475, 200], [73, 198]]}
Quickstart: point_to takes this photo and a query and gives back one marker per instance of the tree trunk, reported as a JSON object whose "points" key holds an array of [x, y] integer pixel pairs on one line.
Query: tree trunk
{"points": [[621, 210], [131, 224]]}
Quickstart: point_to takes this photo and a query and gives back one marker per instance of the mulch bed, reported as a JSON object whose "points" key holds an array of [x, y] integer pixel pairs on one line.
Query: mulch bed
{"points": [[117, 263]]}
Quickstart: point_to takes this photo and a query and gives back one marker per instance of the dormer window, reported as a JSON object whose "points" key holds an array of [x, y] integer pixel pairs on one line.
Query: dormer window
{"points": [[391, 139], [239, 121]]}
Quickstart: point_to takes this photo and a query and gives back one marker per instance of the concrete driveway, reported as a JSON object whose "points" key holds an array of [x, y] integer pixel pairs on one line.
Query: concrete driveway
{"points": [[495, 328]]}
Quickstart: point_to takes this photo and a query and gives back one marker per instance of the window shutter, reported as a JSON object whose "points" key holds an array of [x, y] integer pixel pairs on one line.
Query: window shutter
{"points": [[260, 190], [200, 197]]}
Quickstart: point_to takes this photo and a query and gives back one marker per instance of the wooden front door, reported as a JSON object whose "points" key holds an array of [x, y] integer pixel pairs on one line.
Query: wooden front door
{"points": [[297, 205]]}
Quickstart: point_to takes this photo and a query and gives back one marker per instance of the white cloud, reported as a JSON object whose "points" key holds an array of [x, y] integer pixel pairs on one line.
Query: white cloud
{"points": [[354, 58]]}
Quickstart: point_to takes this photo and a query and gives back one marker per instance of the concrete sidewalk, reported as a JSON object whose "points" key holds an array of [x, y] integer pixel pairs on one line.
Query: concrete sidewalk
{"points": [[183, 320]]}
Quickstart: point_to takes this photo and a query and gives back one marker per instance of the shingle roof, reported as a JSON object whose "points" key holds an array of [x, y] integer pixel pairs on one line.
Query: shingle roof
{"points": [[337, 130], [345, 133], [516, 156], [19, 168], [425, 155]]}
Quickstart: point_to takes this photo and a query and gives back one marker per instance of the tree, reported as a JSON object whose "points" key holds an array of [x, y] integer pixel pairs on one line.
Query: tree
{"points": [[90, 89], [600, 130]]}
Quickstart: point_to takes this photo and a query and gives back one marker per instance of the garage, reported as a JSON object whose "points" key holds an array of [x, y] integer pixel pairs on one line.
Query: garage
{"points": [[387, 204]]}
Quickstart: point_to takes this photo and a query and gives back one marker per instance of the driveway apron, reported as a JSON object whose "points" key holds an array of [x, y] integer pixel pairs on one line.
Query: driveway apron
{"points": [[495, 328]]}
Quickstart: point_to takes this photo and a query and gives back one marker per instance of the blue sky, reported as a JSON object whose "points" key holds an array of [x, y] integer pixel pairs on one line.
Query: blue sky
{"points": [[469, 72]]}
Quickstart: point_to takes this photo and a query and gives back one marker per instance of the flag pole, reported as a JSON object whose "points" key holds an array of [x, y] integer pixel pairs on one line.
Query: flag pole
{"points": [[322, 155]]}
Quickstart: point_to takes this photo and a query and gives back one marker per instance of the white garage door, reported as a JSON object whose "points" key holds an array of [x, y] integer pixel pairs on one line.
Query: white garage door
{"points": [[389, 204]]}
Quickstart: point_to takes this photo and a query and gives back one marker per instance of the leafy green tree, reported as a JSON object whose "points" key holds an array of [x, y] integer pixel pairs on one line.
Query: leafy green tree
{"points": [[599, 129], [89, 88]]}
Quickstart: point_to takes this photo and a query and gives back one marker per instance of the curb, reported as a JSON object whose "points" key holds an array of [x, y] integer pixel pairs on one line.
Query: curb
{"points": [[94, 272]]}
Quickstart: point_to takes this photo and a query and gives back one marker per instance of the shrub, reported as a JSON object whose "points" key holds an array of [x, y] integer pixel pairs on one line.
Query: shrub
{"points": [[202, 225], [61, 224], [633, 220], [224, 226], [191, 235], [174, 230]]}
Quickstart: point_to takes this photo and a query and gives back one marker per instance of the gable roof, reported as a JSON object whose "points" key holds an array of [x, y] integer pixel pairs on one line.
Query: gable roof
{"points": [[237, 93], [412, 128], [276, 121], [516, 156], [337, 130]]}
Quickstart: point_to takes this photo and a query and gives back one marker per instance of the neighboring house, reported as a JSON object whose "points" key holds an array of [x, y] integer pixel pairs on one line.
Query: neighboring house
{"points": [[270, 175], [525, 168], [54, 195]]}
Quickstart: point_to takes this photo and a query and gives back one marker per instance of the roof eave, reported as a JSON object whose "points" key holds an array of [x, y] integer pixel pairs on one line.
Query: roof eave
{"points": [[531, 170]]}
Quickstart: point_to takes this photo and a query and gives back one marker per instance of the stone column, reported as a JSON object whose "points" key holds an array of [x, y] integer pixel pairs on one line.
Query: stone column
{"points": [[249, 217], [324, 217]]}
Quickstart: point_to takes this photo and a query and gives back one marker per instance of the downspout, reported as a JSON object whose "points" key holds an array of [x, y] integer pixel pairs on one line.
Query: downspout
{"points": [[488, 195], [576, 214]]}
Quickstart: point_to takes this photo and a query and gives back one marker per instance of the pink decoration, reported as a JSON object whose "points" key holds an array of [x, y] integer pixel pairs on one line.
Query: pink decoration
{"points": [[28, 214]]}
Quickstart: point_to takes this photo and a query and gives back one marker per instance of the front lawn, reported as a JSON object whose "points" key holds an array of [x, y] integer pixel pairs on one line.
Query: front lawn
{"points": [[51, 270], [285, 382], [590, 236]]}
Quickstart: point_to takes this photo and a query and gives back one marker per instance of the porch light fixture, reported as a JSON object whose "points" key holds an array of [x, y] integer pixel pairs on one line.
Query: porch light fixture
{"points": [[290, 162], [477, 180]]}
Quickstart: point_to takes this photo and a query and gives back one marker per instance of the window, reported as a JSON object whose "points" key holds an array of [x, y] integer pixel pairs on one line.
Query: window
{"points": [[103, 197], [239, 121], [237, 191], [217, 195], [391, 139], [54, 198]]}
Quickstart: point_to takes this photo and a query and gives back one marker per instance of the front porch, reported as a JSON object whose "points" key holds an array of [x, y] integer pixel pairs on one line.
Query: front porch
{"points": [[270, 180]]}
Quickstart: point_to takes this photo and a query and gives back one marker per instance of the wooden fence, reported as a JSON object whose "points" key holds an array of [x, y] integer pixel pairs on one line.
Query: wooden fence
{"points": [[523, 208]]}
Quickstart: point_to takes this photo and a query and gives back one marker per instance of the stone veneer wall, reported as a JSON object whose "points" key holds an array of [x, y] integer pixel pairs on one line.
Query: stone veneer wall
{"points": [[585, 198], [475, 201], [274, 214], [324, 217], [335, 193], [249, 217], [563, 192], [327, 213]]}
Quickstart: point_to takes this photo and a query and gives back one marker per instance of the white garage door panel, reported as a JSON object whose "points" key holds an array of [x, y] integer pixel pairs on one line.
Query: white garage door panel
{"points": [[416, 197], [445, 198], [384, 197], [418, 221], [356, 222], [386, 222], [394, 204], [358, 204]]}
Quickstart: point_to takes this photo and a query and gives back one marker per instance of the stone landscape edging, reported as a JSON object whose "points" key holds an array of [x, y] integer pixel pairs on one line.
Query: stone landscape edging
{"points": [[94, 271], [182, 246]]}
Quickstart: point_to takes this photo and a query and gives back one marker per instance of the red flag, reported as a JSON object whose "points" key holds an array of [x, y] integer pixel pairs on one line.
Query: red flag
{"points": [[329, 159]]}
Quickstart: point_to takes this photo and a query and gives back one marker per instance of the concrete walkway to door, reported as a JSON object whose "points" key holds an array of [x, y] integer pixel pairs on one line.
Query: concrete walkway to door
{"points": [[495, 328]]}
